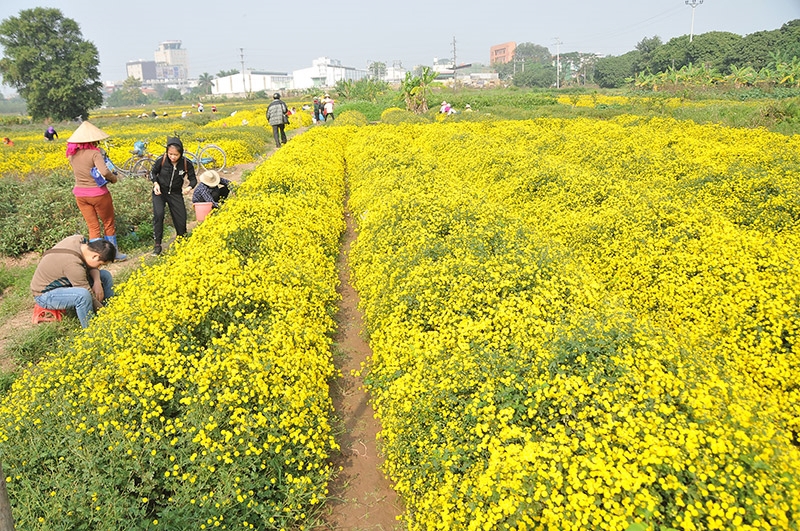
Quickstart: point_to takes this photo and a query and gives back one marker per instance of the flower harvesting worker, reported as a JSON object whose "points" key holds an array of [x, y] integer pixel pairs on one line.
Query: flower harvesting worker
{"points": [[68, 276], [211, 189], [50, 133], [278, 118], [168, 175], [92, 176]]}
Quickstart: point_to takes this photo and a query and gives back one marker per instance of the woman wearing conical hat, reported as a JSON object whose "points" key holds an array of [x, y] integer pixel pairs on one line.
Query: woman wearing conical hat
{"points": [[92, 176]]}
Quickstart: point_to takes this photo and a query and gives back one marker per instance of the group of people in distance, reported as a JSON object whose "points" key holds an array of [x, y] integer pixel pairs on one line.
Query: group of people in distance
{"points": [[323, 109], [69, 275], [448, 109]]}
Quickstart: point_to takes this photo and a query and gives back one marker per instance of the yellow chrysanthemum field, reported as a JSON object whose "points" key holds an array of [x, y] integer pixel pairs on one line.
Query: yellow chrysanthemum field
{"points": [[575, 324]]}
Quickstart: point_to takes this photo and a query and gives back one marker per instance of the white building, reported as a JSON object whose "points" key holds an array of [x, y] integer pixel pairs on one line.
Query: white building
{"points": [[395, 74], [172, 61], [240, 85], [325, 72]]}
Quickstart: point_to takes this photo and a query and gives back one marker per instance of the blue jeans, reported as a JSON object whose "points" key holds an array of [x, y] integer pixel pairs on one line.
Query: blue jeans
{"points": [[78, 298]]}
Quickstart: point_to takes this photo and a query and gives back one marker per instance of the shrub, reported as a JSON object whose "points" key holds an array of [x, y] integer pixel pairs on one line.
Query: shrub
{"points": [[350, 117]]}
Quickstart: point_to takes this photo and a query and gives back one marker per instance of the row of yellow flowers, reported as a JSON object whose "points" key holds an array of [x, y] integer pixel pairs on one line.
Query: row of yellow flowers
{"points": [[583, 324], [199, 397], [242, 136]]}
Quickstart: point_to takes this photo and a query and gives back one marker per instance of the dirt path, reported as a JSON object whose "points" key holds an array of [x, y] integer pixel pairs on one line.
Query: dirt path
{"points": [[361, 497]]}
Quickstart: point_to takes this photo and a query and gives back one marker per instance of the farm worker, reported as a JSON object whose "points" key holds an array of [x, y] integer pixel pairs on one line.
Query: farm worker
{"points": [[168, 175], [200, 107], [317, 110], [278, 118], [7, 141], [69, 276], [50, 133], [211, 189], [213, 108], [92, 175], [467, 108], [327, 107]]}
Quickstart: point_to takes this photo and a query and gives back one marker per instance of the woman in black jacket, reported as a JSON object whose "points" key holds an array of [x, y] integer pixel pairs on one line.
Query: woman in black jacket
{"points": [[169, 176]]}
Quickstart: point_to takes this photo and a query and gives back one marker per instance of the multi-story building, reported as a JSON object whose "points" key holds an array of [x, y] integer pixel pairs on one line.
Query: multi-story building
{"points": [[172, 62], [144, 71], [502, 53]]}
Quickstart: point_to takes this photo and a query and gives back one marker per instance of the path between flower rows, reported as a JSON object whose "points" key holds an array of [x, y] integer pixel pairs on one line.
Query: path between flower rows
{"points": [[361, 498]]}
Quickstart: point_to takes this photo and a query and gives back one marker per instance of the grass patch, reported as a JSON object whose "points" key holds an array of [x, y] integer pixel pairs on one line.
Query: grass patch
{"points": [[15, 285]]}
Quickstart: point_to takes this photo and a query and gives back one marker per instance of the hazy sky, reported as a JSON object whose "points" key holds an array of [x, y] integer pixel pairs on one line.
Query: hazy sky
{"points": [[288, 36]]}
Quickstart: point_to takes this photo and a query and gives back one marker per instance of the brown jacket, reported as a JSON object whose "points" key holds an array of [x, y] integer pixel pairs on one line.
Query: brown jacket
{"points": [[82, 163], [61, 269]]}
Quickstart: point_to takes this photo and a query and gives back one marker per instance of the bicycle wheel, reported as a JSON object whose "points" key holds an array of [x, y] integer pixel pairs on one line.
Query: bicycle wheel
{"points": [[127, 166], [142, 168], [191, 158], [212, 157]]}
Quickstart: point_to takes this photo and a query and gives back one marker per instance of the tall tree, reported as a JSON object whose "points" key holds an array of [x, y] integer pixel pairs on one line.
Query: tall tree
{"points": [[529, 52], [205, 82], [52, 67]]}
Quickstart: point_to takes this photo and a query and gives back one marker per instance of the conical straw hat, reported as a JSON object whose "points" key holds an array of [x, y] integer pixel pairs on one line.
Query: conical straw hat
{"points": [[87, 132]]}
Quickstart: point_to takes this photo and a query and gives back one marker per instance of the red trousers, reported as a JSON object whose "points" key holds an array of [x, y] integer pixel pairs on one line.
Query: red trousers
{"points": [[92, 208]]}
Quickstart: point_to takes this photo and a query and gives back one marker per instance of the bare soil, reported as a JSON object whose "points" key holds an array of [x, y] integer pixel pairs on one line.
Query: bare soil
{"points": [[361, 497]]}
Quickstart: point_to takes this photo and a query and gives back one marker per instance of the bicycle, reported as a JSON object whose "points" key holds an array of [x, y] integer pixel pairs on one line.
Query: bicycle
{"points": [[140, 163], [206, 157]]}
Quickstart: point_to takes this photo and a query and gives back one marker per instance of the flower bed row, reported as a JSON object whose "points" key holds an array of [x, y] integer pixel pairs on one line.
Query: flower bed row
{"points": [[583, 324], [242, 136], [199, 397]]}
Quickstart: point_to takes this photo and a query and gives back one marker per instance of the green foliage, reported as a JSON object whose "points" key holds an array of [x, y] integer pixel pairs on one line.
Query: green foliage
{"points": [[130, 94], [415, 90], [372, 111], [47, 60], [15, 286], [172, 95], [366, 89], [614, 72], [38, 211], [31, 346], [395, 115], [351, 117], [536, 75]]}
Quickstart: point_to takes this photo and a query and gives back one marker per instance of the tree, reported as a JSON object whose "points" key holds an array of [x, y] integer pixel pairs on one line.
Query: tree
{"points": [[614, 71], [416, 89], [52, 67], [172, 95], [377, 70], [536, 75], [646, 48], [226, 73], [129, 94], [534, 53], [205, 83]]}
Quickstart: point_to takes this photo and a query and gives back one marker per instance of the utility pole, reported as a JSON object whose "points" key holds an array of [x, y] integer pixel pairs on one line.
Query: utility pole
{"points": [[558, 44], [454, 64], [693, 4], [244, 85]]}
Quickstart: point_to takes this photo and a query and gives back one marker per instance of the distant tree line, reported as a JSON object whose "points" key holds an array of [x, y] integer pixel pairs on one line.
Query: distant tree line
{"points": [[768, 56], [719, 54]]}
